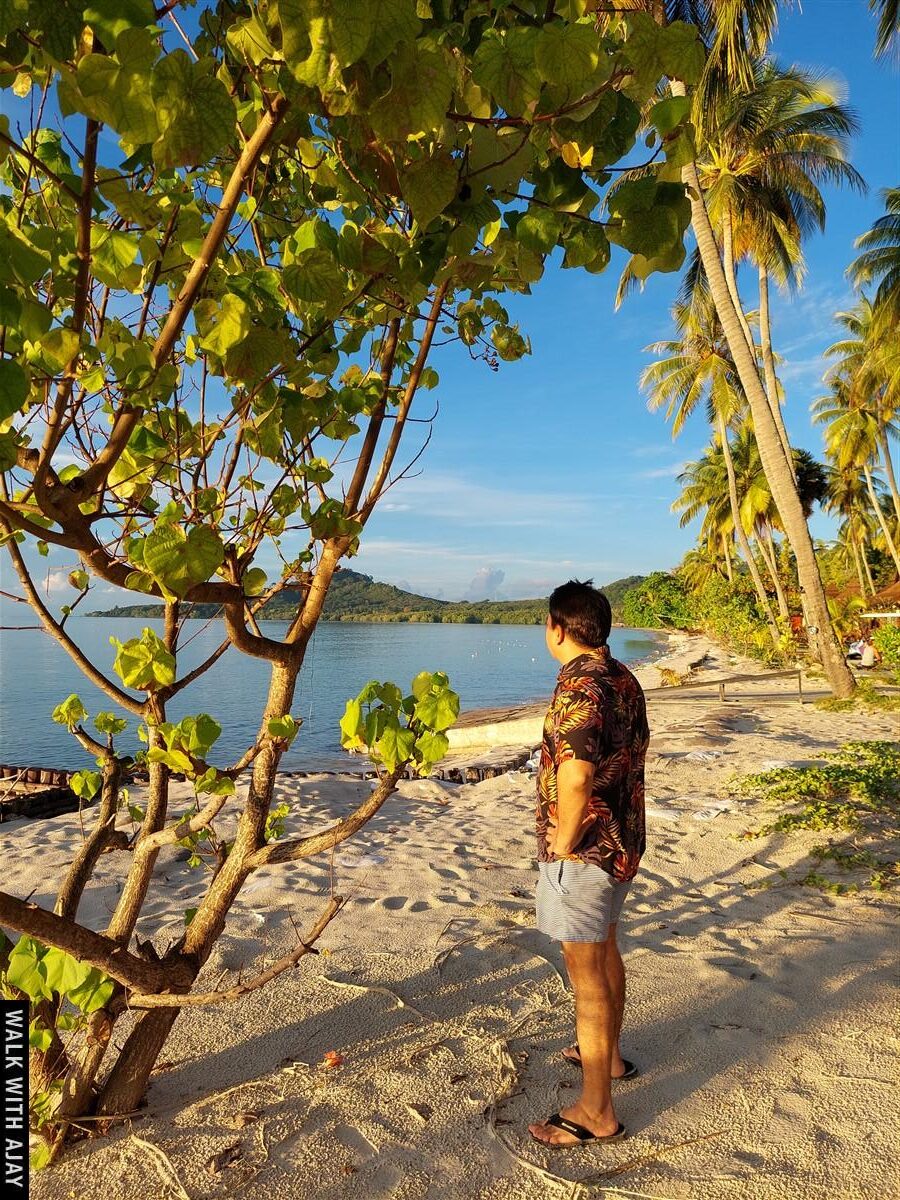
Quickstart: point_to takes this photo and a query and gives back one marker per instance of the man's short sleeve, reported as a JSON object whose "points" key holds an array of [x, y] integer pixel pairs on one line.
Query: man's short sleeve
{"points": [[577, 723]]}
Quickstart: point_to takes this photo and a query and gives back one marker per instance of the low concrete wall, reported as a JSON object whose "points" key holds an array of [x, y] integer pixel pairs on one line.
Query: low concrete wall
{"points": [[519, 731]]}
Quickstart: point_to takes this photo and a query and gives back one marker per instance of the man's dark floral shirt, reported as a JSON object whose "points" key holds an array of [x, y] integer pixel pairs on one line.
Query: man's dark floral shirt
{"points": [[598, 714]]}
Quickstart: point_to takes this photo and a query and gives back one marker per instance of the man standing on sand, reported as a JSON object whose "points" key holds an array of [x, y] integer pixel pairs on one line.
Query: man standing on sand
{"points": [[590, 829]]}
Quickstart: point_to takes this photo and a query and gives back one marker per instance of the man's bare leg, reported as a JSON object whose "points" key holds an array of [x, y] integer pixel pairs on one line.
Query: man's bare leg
{"points": [[614, 969], [615, 978], [595, 1025]]}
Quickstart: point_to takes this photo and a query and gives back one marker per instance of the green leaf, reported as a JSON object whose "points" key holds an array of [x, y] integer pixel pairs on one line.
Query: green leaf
{"points": [[539, 229], [196, 114], [39, 1036], [255, 581], [351, 724], [429, 186], [668, 114], [504, 64], [13, 388], [19, 258], [315, 278], [109, 723], [419, 95], [114, 258], [94, 993], [86, 784], [25, 969], [79, 579], [681, 51], [431, 748], [223, 324], [116, 90], [568, 55], [71, 712], [395, 746], [63, 972], [144, 663], [393, 21], [285, 727], [438, 710], [110, 17], [57, 348], [179, 561], [509, 342]]}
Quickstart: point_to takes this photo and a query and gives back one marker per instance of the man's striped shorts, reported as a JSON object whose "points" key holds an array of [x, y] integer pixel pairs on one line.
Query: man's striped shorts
{"points": [[577, 901]]}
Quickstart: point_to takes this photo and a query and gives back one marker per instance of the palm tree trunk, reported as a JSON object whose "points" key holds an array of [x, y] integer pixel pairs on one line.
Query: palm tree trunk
{"points": [[774, 461], [731, 277], [866, 567], [765, 337], [767, 545], [854, 546], [726, 549], [886, 459], [764, 606], [882, 519]]}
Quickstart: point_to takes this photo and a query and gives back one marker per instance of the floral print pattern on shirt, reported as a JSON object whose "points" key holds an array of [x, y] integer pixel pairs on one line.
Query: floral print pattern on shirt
{"points": [[598, 714]]}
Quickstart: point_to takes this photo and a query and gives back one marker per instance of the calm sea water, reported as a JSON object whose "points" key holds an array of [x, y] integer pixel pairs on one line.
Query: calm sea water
{"points": [[488, 665]]}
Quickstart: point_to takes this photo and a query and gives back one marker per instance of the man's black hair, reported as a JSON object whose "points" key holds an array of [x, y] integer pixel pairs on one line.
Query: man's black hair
{"points": [[582, 612]]}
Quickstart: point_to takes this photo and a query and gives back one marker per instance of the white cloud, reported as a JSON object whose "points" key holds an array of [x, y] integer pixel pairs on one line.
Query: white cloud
{"points": [[486, 584]]}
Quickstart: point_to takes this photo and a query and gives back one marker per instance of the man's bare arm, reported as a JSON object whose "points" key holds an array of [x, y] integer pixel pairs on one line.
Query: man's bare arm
{"points": [[574, 781]]}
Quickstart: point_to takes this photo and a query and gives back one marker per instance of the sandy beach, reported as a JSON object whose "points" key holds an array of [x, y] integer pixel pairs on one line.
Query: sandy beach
{"points": [[762, 1017]]}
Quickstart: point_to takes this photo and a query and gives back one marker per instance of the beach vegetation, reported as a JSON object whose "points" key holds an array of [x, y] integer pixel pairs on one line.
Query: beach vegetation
{"points": [[226, 249], [854, 791]]}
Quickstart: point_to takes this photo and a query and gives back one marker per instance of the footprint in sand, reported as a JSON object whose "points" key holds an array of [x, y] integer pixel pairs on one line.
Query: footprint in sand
{"points": [[396, 902], [736, 967], [446, 872]]}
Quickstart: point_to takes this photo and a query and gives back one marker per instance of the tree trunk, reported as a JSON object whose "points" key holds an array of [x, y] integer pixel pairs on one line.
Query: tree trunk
{"points": [[128, 1080], [882, 519], [858, 564], [726, 549], [775, 464], [888, 462], [743, 542], [765, 337], [767, 547], [866, 567], [731, 279]]}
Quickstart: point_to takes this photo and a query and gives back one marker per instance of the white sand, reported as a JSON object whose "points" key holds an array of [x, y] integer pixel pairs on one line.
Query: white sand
{"points": [[762, 1019]]}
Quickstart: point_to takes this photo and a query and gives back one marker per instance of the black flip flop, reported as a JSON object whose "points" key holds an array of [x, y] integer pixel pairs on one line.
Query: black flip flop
{"points": [[585, 1137], [631, 1069]]}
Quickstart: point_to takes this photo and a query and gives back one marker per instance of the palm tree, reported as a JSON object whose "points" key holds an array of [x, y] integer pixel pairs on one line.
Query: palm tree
{"points": [[864, 384], [852, 438], [697, 367], [879, 262], [770, 147], [887, 37], [739, 32], [848, 497]]}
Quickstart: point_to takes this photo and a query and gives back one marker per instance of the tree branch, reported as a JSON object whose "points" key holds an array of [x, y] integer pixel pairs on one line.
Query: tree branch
{"points": [[364, 462], [409, 393], [127, 417], [196, 999], [82, 943], [290, 851]]}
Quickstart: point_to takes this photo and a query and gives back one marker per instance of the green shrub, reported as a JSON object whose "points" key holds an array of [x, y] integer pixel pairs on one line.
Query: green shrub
{"points": [[660, 601], [886, 640]]}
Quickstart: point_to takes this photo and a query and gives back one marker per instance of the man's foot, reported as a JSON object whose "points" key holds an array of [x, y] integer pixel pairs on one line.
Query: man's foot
{"points": [[621, 1067], [605, 1127]]}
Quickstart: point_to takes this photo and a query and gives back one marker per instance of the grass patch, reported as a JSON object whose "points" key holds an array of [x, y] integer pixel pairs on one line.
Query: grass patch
{"points": [[855, 792], [866, 696]]}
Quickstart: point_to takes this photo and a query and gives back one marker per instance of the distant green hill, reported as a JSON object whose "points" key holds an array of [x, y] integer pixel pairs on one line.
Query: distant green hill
{"points": [[356, 597]]}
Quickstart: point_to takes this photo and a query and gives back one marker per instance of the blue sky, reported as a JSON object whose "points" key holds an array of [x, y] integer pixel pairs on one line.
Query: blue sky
{"points": [[552, 467]]}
